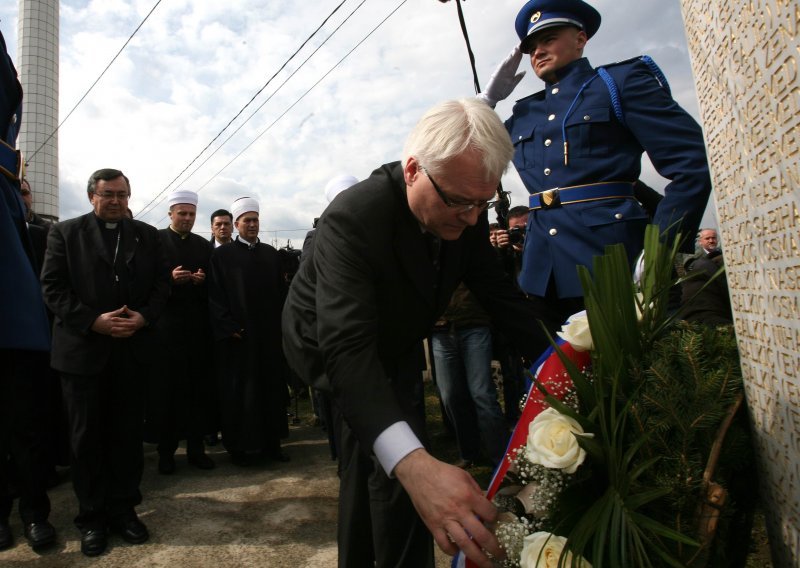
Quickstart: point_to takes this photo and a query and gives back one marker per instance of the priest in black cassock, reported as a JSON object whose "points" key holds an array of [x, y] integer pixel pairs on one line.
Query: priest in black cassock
{"points": [[246, 296], [179, 402]]}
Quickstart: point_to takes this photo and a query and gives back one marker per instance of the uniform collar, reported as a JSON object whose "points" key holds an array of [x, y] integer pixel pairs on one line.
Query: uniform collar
{"points": [[574, 69]]}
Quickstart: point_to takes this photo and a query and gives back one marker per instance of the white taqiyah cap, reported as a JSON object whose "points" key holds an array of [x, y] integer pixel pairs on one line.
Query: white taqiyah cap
{"points": [[182, 196], [243, 205]]}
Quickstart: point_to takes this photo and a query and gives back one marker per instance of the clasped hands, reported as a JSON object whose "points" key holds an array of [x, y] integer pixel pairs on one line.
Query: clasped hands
{"points": [[120, 323]]}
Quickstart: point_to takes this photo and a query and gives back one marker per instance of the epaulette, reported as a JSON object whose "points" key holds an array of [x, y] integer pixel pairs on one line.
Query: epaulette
{"points": [[539, 96], [624, 61], [647, 60]]}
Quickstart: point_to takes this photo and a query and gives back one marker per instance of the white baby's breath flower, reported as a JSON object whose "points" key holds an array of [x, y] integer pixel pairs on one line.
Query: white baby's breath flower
{"points": [[552, 441]]}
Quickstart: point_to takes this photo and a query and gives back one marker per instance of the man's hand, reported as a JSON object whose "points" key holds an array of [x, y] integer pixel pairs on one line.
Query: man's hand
{"points": [[120, 323], [504, 79], [501, 239], [198, 277], [105, 322], [181, 276], [451, 505]]}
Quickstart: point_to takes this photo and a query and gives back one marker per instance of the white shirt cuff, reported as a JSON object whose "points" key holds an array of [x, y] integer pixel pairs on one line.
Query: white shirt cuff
{"points": [[393, 444]]}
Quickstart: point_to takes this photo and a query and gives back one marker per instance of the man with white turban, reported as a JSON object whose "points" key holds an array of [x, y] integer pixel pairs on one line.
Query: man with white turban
{"points": [[246, 296], [179, 402]]}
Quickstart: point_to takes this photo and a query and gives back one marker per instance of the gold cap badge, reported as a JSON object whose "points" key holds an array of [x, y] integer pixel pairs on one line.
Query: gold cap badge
{"points": [[535, 17]]}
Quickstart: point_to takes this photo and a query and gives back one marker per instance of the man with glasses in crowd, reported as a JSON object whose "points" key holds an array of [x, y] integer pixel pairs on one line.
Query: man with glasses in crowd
{"points": [[386, 258], [105, 280]]}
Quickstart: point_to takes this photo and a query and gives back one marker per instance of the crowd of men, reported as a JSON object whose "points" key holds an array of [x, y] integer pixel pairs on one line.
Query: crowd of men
{"points": [[160, 324], [402, 254]]}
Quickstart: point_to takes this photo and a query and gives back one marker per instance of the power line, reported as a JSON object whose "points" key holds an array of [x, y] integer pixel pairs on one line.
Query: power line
{"points": [[89, 90], [264, 86], [290, 107], [238, 128]]}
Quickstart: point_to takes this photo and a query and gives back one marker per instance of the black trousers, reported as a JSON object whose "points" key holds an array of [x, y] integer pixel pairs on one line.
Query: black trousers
{"points": [[180, 398], [378, 525], [105, 419], [24, 449]]}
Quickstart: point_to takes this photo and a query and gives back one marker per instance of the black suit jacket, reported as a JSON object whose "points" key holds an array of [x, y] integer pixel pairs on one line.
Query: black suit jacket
{"points": [[367, 295], [78, 281]]}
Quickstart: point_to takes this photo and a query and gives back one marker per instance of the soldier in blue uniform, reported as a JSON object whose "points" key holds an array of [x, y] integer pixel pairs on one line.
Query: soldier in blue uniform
{"points": [[579, 144], [24, 338]]}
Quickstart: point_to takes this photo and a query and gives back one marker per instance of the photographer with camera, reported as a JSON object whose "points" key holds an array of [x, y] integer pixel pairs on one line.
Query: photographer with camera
{"points": [[509, 244]]}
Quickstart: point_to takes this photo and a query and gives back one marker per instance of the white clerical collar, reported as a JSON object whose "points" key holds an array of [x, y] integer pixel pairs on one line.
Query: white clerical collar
{"points": [[246, 242]]}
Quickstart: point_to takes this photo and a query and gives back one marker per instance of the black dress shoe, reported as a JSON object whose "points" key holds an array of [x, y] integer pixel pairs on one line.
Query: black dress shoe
{"points": [[166, 464], [277, 455], [242, 459], [6, 538], [94, 541], [40, 534], [201, 461], [130, 528]]}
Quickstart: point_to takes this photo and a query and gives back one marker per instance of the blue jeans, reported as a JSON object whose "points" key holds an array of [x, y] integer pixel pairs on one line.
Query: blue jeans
{"points": [[463, 360]]}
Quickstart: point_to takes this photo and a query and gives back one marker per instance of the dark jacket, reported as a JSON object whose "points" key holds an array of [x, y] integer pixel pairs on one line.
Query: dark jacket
{"points": [[367, 295], [705, 300], [79, 284]]}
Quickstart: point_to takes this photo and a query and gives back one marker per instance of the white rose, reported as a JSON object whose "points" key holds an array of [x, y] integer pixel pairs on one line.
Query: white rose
{"points": [[552, 441], [576, 332], [543, 549]]}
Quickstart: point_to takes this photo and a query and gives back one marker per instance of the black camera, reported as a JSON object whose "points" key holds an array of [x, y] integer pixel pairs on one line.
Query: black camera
{"points": [[516, 235]]}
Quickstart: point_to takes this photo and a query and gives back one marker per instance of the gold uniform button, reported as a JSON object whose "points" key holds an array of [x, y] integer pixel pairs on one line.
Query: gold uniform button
{"points": [[551, 117], [553, 232], [555, 90], [546, 142], [547, 171], [618, 216]]}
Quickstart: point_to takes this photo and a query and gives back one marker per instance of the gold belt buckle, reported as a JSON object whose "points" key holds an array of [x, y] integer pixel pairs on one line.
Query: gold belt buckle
{"points": [[550, 198]]}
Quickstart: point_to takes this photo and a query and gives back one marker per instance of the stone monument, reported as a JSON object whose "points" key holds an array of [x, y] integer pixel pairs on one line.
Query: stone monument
{"points": [[745, 57]]}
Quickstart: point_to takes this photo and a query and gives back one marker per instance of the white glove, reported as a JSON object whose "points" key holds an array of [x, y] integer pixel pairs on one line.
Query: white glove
{"points": [[504, 79]]}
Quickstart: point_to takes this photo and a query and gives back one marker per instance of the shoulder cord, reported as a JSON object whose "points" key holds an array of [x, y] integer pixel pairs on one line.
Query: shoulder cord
{"points": [[613, 93]]}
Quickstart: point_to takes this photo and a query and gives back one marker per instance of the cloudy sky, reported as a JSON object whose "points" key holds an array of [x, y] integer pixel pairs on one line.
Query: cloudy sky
{"points": [[195, 64]]}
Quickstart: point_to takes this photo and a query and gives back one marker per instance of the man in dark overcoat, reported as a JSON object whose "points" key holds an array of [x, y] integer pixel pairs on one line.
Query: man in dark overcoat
{"points": [[387, 255], [246, 295], [180, 400], [105, 280]]}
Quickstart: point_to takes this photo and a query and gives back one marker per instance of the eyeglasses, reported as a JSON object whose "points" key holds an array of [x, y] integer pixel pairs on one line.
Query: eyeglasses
{"points": [[108, 196], [461, 206]]}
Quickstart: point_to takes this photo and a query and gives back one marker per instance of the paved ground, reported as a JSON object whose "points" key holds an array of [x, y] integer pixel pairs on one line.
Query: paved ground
{"points": [[272, 515], [268, 516]]}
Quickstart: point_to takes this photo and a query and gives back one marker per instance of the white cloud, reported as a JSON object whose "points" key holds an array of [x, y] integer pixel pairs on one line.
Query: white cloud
{"points": [[193, 65]]}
